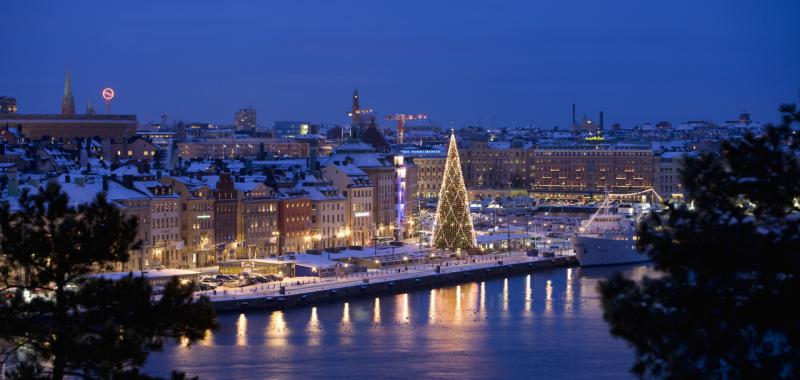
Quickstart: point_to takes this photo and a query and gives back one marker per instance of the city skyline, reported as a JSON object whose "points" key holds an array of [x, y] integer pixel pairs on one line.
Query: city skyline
{"points": [[515, 64]]}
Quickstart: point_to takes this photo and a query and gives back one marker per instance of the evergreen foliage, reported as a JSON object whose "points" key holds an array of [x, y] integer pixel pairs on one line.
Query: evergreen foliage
{"points": [[75, 325], [725, 305]]}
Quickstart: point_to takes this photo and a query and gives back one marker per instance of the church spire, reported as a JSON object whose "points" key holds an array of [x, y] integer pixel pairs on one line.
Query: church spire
{"points": [[356, 111], [67, 101]]}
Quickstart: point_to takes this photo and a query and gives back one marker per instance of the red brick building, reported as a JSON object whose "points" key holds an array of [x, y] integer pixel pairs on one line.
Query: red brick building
{"points": [[294, 223]]}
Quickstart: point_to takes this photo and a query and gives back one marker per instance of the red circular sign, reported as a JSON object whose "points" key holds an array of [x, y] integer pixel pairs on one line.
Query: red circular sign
{"points": [[108, 93]]}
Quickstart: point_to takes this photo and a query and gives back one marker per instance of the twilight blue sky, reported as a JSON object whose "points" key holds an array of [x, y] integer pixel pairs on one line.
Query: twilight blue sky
{"points": [[517, 62]]}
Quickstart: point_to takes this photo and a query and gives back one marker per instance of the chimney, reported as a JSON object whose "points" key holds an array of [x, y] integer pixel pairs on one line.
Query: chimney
{"points": [[573, 114], [601, 120], [67, 179], [105, 183]]}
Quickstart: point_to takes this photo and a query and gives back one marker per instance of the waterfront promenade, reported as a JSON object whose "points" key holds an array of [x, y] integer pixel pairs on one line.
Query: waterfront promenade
{"points": [[301, 288]]}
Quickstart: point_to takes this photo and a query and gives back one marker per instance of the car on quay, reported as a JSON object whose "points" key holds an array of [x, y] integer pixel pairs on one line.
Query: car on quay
{"points": [[232, 283], [204, 286]]}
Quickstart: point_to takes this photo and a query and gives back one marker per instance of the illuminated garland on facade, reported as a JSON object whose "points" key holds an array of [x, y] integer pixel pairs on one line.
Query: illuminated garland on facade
{"points": [[453, 227]]}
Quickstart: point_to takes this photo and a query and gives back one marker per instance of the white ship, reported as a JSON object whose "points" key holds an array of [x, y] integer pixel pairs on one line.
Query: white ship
{"points": [[608, 238]]}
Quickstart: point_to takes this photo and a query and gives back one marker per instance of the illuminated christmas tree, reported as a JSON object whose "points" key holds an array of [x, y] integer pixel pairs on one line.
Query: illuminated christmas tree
{"points": [[453, 227]]}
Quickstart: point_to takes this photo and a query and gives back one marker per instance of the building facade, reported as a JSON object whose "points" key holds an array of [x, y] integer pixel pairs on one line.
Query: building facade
{"points": [[578, 171], [294, 223], [260, 221], [246, 119]]}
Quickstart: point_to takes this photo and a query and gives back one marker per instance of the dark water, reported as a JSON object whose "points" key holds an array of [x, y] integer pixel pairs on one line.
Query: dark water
{"points": [[544, 325]]}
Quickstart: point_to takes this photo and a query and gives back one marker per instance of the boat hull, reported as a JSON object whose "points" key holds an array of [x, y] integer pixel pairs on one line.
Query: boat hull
{"points": [[595, 251]]}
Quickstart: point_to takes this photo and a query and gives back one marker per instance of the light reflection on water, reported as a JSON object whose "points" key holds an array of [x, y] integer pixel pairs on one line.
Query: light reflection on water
{"points": [[545, 324]]}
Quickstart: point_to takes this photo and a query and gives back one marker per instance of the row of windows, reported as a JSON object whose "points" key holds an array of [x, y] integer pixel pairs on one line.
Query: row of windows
{"points": [[164, 207], [165, 222], [164, 238], [326, 218]]}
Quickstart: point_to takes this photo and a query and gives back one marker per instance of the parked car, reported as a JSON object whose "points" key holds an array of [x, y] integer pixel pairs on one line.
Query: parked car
{"points": [[231, 283], [206, 286], [223, 277], [260, 278]]}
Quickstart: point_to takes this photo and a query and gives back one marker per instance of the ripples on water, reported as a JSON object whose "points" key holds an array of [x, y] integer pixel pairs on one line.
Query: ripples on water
{"points": [[543, 325]]}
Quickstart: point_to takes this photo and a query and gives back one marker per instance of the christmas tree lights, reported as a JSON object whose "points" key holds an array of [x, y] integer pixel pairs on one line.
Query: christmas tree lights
{"points": [[453, 228]]}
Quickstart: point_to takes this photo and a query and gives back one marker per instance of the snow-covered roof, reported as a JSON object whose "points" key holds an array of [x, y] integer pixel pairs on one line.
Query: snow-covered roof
{"points": [[368, 252], [148, 274], [483, 239]]}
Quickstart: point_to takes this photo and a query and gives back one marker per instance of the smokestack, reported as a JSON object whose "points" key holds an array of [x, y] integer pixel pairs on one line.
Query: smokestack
{"points": [[573, 114], [601, 119]]}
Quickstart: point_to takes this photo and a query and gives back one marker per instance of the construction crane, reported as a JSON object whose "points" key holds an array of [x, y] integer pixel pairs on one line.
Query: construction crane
{"points": [[401, 119]]}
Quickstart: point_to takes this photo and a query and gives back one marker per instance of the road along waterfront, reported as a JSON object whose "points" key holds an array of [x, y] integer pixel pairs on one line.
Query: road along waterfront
{"points": [[304, 291]]}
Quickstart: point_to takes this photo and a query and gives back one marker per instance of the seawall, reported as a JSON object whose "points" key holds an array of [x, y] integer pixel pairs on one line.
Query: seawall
{"points": [[385, 287]]}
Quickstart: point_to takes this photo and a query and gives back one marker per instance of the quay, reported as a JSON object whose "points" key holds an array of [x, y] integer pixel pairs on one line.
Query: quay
{"points": [[393, 280]]}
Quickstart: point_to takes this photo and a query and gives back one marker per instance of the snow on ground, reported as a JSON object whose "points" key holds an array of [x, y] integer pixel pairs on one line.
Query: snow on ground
{"points": [[301, 285]]}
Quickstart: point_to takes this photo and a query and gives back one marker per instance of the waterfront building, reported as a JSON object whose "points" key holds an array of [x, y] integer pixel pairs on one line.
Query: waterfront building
{"points": [[196, 219], [572, 172], [494, 164], [226, 216], [381, 171], [135, 204], [294, 222], [166, 244], [259, 209], [354, 184], [667, 179], [327, 212]]}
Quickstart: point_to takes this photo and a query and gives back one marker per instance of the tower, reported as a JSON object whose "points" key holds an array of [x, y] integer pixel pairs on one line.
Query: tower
{"points": [[574, 122], [356, 111], [67, 101], [453, 227]]}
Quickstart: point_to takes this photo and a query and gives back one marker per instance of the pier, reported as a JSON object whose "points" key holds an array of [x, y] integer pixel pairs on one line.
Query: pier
{"points": [[393, 280]]}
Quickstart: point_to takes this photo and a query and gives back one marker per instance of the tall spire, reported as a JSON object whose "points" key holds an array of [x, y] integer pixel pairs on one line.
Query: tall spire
{"points": [[67, 101], [453, 228], [355, 112]]}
